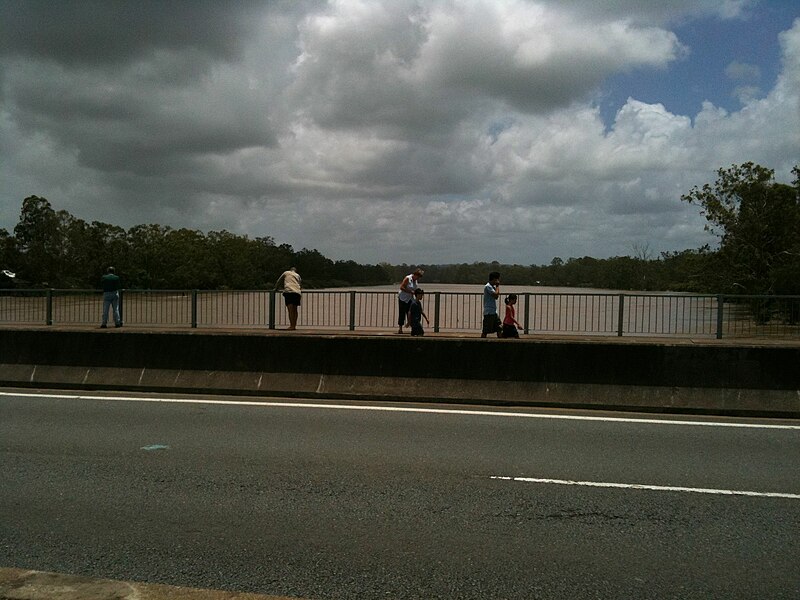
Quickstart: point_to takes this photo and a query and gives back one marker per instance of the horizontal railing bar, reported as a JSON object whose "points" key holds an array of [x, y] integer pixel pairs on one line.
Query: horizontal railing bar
{"points": [[596, 313]]}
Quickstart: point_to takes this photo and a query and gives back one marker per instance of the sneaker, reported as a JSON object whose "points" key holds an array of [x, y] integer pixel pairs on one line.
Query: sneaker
{"points": [[103, 327], [118, 325]]}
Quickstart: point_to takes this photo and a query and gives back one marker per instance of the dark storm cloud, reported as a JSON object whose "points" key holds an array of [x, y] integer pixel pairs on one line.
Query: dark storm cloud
{"points": [[140, 87], [112, 31], [121, 124]]}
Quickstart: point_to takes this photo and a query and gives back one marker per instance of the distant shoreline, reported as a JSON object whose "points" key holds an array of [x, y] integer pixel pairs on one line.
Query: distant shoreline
{"points": [[466, 288]]}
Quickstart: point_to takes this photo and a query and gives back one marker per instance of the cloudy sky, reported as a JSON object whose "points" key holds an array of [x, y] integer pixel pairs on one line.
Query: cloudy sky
{"points": [[397, 130]]}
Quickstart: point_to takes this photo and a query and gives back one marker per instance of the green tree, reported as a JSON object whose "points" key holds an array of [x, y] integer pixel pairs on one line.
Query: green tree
{"points": [[9, 252], [106, 245], [39, 241], [316, 269], [147, 256], [687, 271], [758, 223]]}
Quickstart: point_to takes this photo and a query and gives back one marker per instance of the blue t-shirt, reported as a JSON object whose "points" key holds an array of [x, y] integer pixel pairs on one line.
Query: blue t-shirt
{"points": [[489, 301]]}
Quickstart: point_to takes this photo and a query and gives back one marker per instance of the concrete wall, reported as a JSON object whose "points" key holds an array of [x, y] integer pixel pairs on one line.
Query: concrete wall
{"points": [[680, 376]]}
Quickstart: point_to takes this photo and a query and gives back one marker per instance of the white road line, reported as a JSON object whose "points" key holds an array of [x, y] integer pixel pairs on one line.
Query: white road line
{"points": [[408, 409], [657, 488]]}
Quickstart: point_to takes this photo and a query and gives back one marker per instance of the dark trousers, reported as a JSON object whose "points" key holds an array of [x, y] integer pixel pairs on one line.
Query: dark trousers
{"points": [[404, 308]]}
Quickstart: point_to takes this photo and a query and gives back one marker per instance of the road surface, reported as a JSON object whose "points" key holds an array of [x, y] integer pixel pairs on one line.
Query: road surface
{"points": [[358, 500]]}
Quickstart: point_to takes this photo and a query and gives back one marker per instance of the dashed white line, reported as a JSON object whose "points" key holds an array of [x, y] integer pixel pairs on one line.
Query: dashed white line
{"points": [[657, 488], [266, 403]]}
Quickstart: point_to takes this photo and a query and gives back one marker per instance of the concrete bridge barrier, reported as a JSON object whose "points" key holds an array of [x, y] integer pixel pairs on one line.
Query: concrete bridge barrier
{"points": [[645, 375]]}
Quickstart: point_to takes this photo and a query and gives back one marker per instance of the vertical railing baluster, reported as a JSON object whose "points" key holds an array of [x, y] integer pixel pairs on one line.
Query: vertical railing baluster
{"points": [[49, 317], [436, 301], [526, 314], [271, 300], [352, 311]]}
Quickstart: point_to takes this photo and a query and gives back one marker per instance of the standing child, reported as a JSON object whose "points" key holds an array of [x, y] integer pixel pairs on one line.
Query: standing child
{"points": [[510, 324], [416, 311]]}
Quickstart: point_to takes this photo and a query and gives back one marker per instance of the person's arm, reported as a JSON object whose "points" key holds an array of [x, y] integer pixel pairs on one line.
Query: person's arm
{"points": [[278, 281]]}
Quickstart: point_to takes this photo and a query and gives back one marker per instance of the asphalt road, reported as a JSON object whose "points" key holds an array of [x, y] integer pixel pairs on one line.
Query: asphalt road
{"points": [[329, 502]]}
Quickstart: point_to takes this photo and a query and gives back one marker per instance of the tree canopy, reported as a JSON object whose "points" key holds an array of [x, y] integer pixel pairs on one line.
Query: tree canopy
{"points": [[758, 224], [56, 249]]}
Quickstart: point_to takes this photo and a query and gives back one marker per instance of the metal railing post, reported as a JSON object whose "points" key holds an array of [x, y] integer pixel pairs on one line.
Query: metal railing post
{"points": [[720, 307], [352, 311], [620, 314], [271, 310], [526, 314], [194, 309], [436, 304], [49, 317]]}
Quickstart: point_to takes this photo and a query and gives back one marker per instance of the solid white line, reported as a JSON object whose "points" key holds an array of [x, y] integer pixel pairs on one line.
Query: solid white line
{"points": [[408, 409], [657, 488]]}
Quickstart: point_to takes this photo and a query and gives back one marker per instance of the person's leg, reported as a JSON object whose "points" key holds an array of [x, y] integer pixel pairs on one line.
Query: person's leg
{"points": [[106, 307], [292, 310], [402, 312], [115, 308]]}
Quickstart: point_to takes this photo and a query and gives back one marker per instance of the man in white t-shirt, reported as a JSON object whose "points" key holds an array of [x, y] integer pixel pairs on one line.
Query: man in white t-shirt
{"points": [[491, 292], [291, 294]]}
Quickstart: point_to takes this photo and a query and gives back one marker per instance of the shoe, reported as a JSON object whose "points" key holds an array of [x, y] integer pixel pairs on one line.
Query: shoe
{"points": [[118, 325], [103, 327]]}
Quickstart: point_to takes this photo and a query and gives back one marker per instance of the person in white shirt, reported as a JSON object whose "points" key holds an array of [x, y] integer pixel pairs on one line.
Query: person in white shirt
{"points": [[404, 296], [291, 294]]}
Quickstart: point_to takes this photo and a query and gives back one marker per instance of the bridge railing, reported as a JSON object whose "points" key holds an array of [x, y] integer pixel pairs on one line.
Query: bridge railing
{"points": [[612, 314]]}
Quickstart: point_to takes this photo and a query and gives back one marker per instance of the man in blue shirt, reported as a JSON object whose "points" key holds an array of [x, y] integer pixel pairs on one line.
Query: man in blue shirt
{"points": [[110, 283], [491, 292]]}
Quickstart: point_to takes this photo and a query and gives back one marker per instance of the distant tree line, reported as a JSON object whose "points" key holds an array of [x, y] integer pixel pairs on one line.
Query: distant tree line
{"points": [[756, 219], [55, 249], [672, 271]]}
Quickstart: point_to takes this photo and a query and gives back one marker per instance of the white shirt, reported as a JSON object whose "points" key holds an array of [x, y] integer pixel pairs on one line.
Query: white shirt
{"points": [[411, 285], [291, 282]]}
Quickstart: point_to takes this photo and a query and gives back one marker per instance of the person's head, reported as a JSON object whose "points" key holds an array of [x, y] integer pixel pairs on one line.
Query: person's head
{"points": [[418, 273], [419, 293], [110, 270], [511, 299], [293, 269], [494, 277]]}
